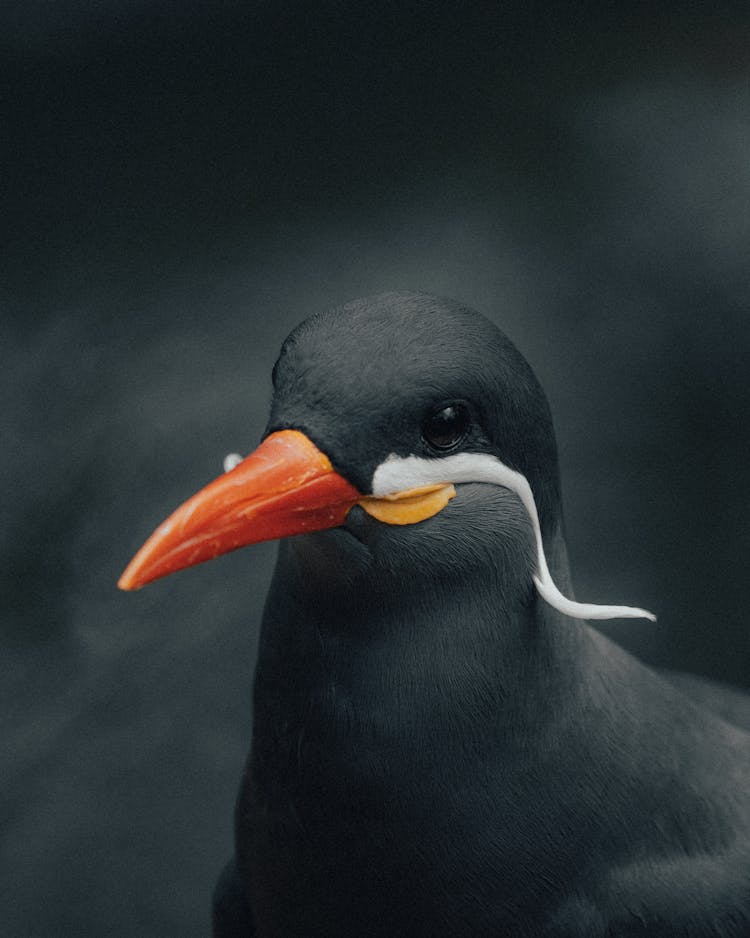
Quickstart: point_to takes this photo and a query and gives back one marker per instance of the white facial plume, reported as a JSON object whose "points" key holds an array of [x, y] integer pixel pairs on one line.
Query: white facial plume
{"points": [[398, 473]]}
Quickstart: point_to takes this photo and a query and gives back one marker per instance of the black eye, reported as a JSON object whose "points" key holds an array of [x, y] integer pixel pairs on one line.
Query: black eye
{"points": [[446, 427]]}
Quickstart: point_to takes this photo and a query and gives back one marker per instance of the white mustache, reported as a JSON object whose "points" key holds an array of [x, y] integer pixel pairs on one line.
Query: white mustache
{"points": [[398, 473]]}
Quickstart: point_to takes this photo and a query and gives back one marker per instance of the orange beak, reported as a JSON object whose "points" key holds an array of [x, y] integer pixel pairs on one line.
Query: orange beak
{"points": [[287, 486]]}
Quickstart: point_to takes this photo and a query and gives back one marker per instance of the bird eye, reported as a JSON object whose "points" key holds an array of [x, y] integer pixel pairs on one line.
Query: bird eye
{"points": [[446, 427]]}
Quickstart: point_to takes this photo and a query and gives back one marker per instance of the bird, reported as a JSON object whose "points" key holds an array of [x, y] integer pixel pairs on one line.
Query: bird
{"points": [[442, 744]]}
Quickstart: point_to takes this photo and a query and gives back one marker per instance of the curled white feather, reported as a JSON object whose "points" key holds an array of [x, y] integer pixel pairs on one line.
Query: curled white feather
{"points": [[397, 473]]}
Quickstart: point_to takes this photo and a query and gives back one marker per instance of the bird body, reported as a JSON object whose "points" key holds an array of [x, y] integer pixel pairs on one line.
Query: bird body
{"points": [[546, 783], [441, 746]]}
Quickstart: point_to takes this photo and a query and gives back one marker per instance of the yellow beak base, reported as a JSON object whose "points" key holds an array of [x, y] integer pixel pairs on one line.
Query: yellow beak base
{"points": [[409, 506]]}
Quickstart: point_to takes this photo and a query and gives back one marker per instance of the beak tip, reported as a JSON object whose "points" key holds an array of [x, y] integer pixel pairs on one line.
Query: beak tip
{"points": [[127, 583], [134, 576]]}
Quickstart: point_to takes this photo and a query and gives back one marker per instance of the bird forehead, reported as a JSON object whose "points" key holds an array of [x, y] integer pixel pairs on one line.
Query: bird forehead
{"points": [[398, 343]]}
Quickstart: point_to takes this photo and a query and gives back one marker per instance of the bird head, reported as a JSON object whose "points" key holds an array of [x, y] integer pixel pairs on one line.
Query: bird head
{"points": [[414, 433]]}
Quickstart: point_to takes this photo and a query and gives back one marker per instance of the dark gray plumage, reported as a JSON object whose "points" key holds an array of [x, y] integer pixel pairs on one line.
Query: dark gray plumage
{"points": [[436, 751]]}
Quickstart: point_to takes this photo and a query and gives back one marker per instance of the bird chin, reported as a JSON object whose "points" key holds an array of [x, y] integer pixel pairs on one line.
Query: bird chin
{"points": [[336, 554], [359, 525]]}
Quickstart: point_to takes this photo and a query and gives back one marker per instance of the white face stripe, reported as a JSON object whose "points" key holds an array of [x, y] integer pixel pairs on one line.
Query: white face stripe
{"points": [[398, 473]]}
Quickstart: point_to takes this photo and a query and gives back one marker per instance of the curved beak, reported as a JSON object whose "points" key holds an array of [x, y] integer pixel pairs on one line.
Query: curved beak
{"points": [[287, 486]]}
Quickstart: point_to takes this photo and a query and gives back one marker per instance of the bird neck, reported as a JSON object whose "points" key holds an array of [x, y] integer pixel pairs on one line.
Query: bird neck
{"points": [[380, 707], [483, 646]]}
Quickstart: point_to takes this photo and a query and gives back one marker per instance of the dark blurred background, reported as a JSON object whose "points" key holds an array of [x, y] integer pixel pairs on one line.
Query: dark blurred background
{"points": [[181, 184]]}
